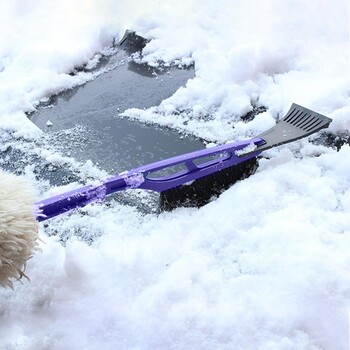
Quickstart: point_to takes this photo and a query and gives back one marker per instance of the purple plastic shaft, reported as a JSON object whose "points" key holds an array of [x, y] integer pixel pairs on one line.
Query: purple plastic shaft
{"points": [[150, 177]]}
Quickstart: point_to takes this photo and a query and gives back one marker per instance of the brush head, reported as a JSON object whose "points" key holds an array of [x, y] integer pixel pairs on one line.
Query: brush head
{"points": [[203, 190], [18, 228]]}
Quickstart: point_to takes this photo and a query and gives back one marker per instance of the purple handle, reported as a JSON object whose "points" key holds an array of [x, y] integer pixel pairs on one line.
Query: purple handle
{"points": [[194, 166]]}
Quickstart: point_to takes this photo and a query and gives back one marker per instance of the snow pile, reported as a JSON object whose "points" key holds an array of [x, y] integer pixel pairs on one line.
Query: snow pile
{"points": [[266, 266], [246, 53], [275, 275]]}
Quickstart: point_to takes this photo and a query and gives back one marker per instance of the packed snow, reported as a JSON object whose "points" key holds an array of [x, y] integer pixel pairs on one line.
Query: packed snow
{"points": [[264, 266]]}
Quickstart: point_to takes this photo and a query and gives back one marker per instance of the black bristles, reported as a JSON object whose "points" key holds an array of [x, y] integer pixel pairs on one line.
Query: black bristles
{"points": [[201, 191]]}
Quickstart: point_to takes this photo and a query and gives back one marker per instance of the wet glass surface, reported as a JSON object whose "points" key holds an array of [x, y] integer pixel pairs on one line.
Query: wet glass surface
{"points": [[93, 110]]}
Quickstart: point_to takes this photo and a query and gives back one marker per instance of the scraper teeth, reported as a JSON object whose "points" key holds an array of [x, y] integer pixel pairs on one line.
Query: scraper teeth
{"points": [[305, 119]]}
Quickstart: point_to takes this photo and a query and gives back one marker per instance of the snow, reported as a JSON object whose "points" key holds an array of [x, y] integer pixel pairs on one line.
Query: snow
{"points": [[133, 180], [250, 148], [266, 265]]}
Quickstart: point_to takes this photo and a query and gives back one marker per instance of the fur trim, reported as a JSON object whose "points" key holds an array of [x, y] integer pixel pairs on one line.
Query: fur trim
{"points": [[18, 228]]}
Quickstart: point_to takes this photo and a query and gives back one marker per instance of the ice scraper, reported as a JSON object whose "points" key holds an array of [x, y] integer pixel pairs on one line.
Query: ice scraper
{"points": [[181, 173]]}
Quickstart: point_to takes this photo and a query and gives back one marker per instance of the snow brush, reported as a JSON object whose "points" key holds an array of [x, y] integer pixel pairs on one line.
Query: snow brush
{"points": [[179, 179], [184, 175]]}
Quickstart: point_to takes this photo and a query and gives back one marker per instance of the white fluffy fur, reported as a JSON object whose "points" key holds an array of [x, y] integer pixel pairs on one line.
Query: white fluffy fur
{"points": [[18, 228]]}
